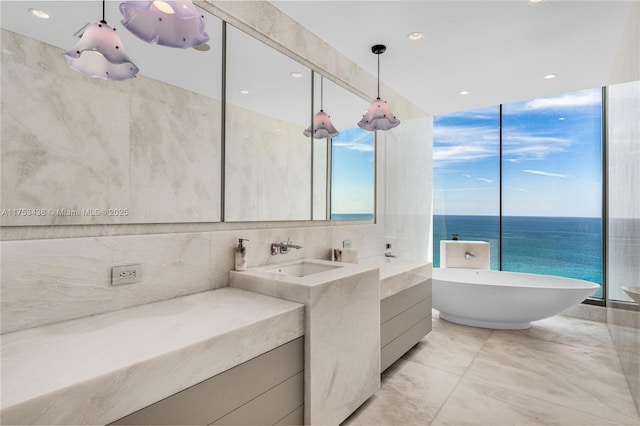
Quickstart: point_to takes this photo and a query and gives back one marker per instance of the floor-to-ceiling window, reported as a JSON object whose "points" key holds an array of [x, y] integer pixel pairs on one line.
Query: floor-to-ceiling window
{"points": [[466, 183], [549, 201]]}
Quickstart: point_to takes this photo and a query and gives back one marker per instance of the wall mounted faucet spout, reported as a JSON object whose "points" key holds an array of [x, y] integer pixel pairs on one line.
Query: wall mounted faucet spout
{"points": [[283, 247], [469, 255]]}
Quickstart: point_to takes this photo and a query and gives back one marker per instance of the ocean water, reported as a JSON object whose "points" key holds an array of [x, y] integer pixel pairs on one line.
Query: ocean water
{"points": [[562, 246], [351, 216]]}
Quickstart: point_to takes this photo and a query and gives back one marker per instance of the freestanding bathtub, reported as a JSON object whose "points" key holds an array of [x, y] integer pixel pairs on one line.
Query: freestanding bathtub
{"points": [[504, 300]]}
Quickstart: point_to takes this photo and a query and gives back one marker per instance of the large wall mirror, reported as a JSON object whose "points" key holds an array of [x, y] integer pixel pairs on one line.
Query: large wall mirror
{"points": [[349, 180], [77, 150], [267, 156]]}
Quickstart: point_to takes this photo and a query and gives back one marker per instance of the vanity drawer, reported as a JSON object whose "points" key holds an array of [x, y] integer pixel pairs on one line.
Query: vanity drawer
{"points": [[400, 302], [397, 325], [394, 350], [271, 385], [405, 318]]}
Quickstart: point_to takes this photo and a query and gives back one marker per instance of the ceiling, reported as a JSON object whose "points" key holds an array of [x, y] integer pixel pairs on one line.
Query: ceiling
{"points": [[498, 51]]}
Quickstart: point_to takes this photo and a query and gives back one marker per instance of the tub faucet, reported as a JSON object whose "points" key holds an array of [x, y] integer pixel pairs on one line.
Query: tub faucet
{"points": [[469, 255], [388, 253]]}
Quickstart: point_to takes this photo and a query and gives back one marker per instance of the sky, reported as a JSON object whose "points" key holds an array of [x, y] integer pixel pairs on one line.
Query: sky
{"points": [[551, 158], [352, 172]]}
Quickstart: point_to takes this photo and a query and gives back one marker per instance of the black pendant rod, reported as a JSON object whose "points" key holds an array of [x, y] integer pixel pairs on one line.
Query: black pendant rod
{"points": [[379, 49], [103, 20], [321, 91], [378, 76]]}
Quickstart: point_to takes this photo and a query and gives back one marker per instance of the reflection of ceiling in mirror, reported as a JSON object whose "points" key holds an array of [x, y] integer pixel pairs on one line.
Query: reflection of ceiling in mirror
{"points": [[344, 108], [263, 71], [266, 75], [186, 68]]}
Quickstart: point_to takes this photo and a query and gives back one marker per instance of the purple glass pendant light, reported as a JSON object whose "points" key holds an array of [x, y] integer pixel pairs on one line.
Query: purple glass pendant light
{"points": [[99, 54], [378, 116], [169, 23], [322, 127]]}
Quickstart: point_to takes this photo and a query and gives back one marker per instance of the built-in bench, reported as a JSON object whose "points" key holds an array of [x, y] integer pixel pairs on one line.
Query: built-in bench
{"points": [[206, 349]]}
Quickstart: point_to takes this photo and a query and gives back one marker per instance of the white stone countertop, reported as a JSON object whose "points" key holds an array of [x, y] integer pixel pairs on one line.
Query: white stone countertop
{"points": [[97, 369], [398, 274]]}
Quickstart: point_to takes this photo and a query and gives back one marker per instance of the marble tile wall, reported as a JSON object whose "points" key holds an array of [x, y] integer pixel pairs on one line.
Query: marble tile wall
{"points": [[407, 194], [47, 281], [623, 108], [144, 146], [268, 168]]}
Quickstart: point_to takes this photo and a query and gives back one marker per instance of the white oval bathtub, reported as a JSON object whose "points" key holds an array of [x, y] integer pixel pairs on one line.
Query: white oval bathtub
{"points": [[504, 300]]}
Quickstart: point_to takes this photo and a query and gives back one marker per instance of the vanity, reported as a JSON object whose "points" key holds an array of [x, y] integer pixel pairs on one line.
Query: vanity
{"points": [[226, 356], [221, 356], [359, 319], [341, 328], [405, 305]]}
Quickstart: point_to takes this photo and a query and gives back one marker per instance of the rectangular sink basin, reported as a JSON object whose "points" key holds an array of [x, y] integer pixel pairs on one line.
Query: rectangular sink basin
{"points": [[303, 269]]}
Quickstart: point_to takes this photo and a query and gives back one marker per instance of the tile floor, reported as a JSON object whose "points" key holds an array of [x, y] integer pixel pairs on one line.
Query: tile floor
{"points": [[562, 371]]}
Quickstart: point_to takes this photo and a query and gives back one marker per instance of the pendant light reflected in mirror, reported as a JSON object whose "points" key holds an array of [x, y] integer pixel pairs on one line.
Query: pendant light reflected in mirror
{"points": [[169, 23], [99, 54], [378, 116], [322, 127]]}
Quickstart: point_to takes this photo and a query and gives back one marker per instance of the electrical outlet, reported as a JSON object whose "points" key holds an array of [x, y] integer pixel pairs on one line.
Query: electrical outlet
{"points": [[346, 244], [126, 274]]}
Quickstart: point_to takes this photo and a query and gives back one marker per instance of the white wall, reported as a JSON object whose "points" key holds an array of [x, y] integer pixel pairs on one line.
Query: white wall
{"points": [[626, 66], [406, 196]]}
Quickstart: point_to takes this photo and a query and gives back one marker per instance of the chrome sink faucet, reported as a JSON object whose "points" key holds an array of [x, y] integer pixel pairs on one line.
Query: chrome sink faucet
{"points": [[283, 247], [468, 255]]}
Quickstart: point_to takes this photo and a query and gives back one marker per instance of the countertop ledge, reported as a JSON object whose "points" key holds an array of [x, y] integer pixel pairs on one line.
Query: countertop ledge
{"points": [[97, 369], [397, 275]]}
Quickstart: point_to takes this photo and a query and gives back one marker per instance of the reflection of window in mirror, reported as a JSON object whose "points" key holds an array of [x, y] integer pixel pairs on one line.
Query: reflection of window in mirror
{"points": [[353, 175], [351, 154], [267, 156]]}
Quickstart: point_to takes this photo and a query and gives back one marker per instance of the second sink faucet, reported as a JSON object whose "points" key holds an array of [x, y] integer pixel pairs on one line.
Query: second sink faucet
{"points": [[283, 247]]}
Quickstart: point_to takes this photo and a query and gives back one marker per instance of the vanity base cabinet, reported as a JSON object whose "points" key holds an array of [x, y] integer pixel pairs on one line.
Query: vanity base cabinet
{"points": [[405, 318], [268, 389]]}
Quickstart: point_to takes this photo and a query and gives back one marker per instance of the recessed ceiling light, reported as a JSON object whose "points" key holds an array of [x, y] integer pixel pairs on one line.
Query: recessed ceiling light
{"points": [[464, 92], [39, 13], [550, 76], [296, 74], [244, 91], [414, 36], [534, 1]]}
